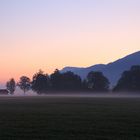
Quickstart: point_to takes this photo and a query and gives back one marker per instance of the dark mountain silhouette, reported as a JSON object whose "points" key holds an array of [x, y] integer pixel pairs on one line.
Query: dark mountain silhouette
{"points": [[112, 70]]}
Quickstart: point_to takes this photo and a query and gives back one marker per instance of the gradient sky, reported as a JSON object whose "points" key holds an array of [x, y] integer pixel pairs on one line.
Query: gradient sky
{"points": [[49, 34]]}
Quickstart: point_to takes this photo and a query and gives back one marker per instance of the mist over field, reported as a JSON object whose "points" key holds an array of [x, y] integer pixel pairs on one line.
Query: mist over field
{"points": [[18, 92]]}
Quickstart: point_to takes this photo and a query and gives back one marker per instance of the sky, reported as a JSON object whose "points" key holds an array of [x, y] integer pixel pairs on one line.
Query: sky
{"points": [[50, 34]]}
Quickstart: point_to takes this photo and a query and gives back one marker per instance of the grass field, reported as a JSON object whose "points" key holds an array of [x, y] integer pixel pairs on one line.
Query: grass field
{"points": [[69, 118]]}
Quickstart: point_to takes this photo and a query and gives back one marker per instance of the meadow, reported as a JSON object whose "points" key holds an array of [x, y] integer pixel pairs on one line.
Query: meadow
{"points": [[69, 118]]}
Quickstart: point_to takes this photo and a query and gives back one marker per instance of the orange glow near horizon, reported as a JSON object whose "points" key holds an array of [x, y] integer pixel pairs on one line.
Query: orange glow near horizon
{"points": [[46, 55], [74, 33]]}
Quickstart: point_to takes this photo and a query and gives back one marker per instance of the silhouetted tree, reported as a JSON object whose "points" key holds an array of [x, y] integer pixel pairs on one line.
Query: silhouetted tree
{"points": [[56, 80], [71, 81], [130, 80], [24, 83], [67, 81], [11, 86], [40, 82], [96, 81]]}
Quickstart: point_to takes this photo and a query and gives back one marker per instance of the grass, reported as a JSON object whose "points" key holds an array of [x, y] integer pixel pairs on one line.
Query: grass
{"points": [[69, 118]]}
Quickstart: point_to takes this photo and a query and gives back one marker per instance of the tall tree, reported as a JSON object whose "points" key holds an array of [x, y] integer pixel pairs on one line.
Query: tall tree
{"points": [[56, 80], [40, 82], [130, 80], [67, 81], [24, 83], [71, 81], [96, 81], [11, 86]]}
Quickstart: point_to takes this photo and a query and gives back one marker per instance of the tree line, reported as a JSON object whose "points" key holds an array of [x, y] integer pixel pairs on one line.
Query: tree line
{"points": [[68, 81]]}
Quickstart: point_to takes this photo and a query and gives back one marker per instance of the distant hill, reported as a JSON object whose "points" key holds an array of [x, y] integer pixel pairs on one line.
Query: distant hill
{"points": [[112, 70]]}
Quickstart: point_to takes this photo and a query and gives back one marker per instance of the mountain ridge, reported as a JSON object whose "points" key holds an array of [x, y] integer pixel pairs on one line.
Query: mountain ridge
{"points": [[112, 70]]}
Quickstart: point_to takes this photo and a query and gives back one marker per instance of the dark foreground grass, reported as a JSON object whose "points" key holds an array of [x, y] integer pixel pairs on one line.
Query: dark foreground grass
{"points": [[69, 118]]}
